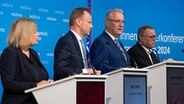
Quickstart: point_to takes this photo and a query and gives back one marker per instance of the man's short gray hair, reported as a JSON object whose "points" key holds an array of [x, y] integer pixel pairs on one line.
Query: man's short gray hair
{"points": [[113, 10]]}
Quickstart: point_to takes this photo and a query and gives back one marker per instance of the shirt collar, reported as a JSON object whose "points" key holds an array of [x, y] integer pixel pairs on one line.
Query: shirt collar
{"points": [[147, 50], [76, 35], [113, 38]]}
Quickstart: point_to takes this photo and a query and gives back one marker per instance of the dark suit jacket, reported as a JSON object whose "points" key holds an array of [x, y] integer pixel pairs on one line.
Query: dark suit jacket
{"points": [[18, 75], [67, 57], [138, 53], [105, 54]]}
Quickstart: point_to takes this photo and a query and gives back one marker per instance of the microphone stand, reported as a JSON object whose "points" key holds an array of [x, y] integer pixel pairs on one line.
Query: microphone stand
{"points": [[86, 61]]}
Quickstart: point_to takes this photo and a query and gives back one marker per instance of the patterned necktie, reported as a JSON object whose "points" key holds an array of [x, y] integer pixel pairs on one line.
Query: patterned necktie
{"points": [[84, 54], [122, 50]]}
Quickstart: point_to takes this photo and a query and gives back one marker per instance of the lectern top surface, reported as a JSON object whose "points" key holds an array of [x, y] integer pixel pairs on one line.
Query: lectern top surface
{"points": [[167, 62], [127, 70], [77, 77]]}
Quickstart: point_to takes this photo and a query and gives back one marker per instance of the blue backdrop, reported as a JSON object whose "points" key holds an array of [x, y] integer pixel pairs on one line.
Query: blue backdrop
{"points": [[52, 17], [166, 16]]}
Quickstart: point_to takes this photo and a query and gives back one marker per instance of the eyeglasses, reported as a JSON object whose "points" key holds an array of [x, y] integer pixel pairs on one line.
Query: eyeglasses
{"points": [[116, 21], [151, 37]]}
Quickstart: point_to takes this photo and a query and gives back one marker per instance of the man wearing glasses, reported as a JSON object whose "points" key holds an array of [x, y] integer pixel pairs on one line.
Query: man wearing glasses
{"points": [[142, 52], [107, 53]]}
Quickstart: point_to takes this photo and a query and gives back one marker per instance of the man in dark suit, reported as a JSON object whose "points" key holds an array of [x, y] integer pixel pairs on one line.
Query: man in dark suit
{"points": [[69, 54], [107, 53], [142, 52]]}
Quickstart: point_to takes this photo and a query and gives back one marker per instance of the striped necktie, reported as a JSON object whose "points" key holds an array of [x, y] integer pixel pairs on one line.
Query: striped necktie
{"points": [[122, 50]]}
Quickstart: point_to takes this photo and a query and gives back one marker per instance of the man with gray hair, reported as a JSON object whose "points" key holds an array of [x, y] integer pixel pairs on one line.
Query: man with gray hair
{"points": [[107, 53]]}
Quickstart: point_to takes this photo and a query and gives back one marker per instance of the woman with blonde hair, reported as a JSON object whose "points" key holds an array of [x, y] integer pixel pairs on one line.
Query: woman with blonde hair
{"points": [[20, 66]]}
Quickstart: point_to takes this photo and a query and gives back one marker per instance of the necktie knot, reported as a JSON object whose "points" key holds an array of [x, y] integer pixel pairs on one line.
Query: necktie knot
{"points": [[116, 41], [118, 44]]}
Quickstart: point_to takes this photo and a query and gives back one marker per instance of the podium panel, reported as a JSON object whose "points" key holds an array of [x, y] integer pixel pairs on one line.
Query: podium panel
{"points": [[166, 83], [175, 85], [77, 89], [90, 93], [126, 86], [135, 87]]}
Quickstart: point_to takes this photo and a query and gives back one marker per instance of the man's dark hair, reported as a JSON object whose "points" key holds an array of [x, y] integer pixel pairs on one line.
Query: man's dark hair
{"points": [[142, 29]]}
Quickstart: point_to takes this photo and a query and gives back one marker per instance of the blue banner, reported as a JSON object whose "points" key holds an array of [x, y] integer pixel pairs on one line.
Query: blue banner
{"points": [[52, 18]]}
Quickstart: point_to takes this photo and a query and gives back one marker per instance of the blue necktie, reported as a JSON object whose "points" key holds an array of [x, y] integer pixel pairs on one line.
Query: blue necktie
{"points": [[84, 54]]}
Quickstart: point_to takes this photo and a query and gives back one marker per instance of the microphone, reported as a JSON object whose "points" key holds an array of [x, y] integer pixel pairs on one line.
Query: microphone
{"points": [[71, 54], [94, 72], [85, 60], [76, 56], [182, 50], [134, 62]]}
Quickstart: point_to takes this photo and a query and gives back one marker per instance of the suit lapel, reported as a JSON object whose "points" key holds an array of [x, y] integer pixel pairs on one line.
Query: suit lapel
{"points": [[76, 46], [114, 46], [109, 40], [38, 60], [26, 64], [144, 54]]}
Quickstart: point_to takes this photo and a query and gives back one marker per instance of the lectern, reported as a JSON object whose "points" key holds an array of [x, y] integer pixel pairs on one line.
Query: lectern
{"points": [[166, 83], [126, 86], [77, 89]]}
